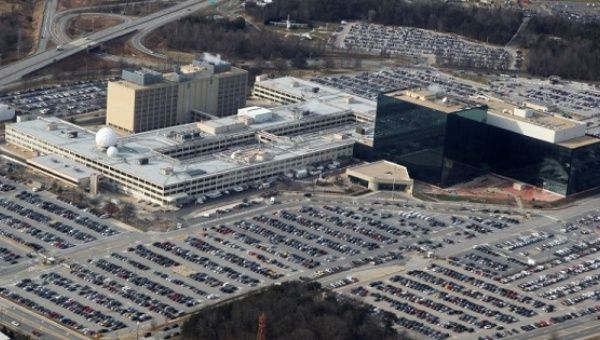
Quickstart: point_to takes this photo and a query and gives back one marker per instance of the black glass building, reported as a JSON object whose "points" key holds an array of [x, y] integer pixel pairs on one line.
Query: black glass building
{"points": [[448, 144]]}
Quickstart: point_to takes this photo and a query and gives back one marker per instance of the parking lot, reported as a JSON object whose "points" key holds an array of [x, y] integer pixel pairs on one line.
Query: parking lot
{"points": [[576, 100], [468, 272], [60, 99], [446, 49], [45, 225], [514, 286], [155, 279]]}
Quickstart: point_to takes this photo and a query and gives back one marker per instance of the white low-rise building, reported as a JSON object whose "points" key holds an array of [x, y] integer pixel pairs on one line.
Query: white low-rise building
{"points": [[180, 163]]}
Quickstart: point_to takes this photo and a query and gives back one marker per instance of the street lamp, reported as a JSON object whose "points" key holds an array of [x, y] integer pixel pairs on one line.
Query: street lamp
{"points": [[137, 331]]}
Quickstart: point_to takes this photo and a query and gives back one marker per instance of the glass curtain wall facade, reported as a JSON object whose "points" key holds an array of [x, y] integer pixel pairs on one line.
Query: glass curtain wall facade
{"points": [[410, 135], [449, 148], [554, 167]]}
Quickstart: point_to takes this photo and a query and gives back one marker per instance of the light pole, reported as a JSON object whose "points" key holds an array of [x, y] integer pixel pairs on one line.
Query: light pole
{"points": [[137, 331]]}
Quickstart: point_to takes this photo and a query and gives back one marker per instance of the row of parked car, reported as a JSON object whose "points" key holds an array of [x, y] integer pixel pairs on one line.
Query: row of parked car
{"points": [[93, 295], [117, 288], [351, 224], [67, 213], [144, 282], [456, 299], [28, 228], [207, 263], [45, 311], [276, 239], [8, 256], [324, 228]]}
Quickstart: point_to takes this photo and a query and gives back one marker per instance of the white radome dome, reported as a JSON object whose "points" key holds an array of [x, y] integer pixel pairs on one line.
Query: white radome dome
{"points": [[106, 137], [112, 152]]}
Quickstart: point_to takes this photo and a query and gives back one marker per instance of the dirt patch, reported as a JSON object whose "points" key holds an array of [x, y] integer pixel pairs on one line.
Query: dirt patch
{"points": [[490, 189], [182, 270], [87, 24]]}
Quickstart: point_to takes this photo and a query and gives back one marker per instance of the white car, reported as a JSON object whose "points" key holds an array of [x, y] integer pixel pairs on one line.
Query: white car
{"points": [[14, 323]]}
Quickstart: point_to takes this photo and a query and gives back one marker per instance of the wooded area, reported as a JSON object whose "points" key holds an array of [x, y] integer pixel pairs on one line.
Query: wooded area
{"points": [[495, 26], [294, 311], [558, 46], [232, 39], [15, 20]]}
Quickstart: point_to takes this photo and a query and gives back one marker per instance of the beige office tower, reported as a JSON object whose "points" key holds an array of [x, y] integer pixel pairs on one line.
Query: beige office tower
{"points": [[147, 100]]}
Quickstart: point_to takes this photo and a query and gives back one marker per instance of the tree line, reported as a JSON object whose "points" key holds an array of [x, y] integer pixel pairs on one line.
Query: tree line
{"points": [[231, 38], [294, 311], [17, 20], [558, 46], [493, 25]]}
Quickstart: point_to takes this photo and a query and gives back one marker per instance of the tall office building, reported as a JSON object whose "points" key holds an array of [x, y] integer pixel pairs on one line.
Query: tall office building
{"points": [[445, 141], [145, 100]]}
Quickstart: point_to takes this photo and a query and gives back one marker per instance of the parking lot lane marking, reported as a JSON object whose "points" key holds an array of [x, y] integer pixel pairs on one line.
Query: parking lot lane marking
{"points": [[551, 217]]}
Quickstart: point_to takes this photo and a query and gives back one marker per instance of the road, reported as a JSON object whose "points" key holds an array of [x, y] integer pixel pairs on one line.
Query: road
{"points": [[137, 43], [30, 322], [105, 246], [49, 13], [59, 28], [15, 71]]}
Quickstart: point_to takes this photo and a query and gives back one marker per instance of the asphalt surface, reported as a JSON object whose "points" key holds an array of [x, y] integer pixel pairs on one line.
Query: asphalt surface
{"points": [[59, 29], [276, 254], [45, 33]]}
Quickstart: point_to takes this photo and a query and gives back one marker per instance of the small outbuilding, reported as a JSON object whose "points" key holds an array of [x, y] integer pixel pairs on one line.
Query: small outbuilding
{"points": [[381, 176]]}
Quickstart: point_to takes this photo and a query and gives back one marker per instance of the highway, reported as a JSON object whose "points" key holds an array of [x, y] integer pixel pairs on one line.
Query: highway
{"points": [[138, 39], [49, 13], [15, 71], [59, 29], [29, 322]]}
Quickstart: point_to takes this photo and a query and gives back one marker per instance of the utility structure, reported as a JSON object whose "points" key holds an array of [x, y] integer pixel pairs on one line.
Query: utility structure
{"points": [[262, 327]]}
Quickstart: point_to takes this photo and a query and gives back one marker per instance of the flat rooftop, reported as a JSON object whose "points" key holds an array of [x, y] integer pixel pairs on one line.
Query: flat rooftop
{"points": [[144, 145], [135, 86], [382, 170], [287, 114], [298, 87], [545, 120], [447, 104], [66, 167], [579, 142], [428, 99]]}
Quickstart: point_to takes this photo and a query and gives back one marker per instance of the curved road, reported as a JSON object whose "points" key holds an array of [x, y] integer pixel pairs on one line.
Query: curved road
{"points": [[137, 43], [14, 72], [59, 29]]}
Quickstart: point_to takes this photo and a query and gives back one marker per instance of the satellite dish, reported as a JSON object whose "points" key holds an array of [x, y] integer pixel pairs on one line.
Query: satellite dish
{"points": [[112, 152], [106, 137]]}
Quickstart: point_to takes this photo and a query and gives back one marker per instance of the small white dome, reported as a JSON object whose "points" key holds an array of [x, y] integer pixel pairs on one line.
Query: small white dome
{"points": [[112, 152], [106, 137]]}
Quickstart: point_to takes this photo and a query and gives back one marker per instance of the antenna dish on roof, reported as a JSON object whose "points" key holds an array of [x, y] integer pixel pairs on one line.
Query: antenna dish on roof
{"points": [[106, 137]]}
